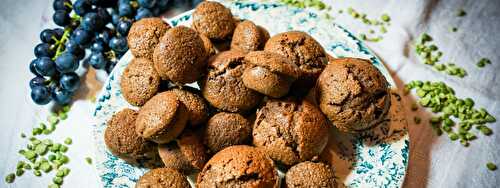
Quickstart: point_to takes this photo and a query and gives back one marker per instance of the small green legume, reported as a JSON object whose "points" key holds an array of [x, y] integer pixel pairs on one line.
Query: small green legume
{"points": [[68, 141], [10, 178], [88, 160], [46, 167], [57, 180], [461, 13], [385, 18], [37, 173], [19, 172], [491, 166]]}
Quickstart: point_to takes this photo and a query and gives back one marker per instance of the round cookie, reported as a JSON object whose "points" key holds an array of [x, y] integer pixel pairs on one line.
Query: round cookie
{"points": [[353, 94], [269, 73], [162, 118], [187, 154], [239, 166], [122, 141], [223, 86], [180, 55], [302, 50], [289, 131], [248, 37], [209, 46], [213, 20], [195, 104], [226, 129], [309, 174], [139, 81], [162, 178], [144, 35]]}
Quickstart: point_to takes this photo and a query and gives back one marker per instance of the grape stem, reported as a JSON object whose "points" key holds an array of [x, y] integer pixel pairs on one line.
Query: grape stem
{"points": [[60, 43]]}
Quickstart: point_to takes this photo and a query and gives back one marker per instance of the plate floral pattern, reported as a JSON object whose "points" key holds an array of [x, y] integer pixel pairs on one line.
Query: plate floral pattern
{"points": [[377, 158]]}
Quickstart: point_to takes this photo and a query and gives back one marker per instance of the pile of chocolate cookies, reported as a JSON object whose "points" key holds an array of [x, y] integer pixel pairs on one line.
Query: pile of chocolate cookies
{"points": [[264, 102]]}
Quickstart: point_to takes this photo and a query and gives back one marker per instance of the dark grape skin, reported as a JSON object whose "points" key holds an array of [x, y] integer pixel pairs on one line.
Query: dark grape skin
{"points": [[47, 36], [61, 96], [162, 4], [45, 66], [115, 18], [123, 27], [104, 15], [91, 22], [40, 95], [110, 66], [60, 5], [118, 44], [98, 46], [81, 37], [147, 3], [125, 10], [59, 32], [143, 13], [43, 50], [32, 67], [75, 49], [98, 60], [61, 18], [106, 34], [66, 62], [81, 7], [37, 81], [69, 81]]}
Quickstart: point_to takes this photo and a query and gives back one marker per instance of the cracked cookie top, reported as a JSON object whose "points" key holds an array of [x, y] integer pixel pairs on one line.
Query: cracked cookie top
{"points": [[239, 166], [353, 94], [223, 86], [290, 131]]}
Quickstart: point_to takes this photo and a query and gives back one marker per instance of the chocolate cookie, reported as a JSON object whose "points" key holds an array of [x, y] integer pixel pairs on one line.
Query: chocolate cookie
{"points": [[187, 154], [195, 104], [123, 142], [227, 129], [309, 174], [209, 46], [290, 132], [180, 55], [139, 82], [162, 178], [248, 37], [162, 118], [269, 73], [304, 51], [223, 86], [239, 166], [213, 20], [144, 35], [353, 94]]}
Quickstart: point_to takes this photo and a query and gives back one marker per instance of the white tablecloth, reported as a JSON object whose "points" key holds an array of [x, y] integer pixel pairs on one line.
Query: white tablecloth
{"points": [[434, 161]]}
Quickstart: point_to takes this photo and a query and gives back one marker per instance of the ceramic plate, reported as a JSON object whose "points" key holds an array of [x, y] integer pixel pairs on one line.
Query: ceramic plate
{"points": [[373, 159]]}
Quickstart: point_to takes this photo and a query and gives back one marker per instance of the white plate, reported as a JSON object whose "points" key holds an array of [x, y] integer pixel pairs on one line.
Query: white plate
{"points": [[375, 159]]}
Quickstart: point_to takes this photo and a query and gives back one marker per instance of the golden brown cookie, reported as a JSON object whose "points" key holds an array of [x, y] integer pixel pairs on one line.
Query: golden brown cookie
{"points": [[144, 35], [239, 166], [195, 104], [227, 129], [213, 20], [309, 174], [303, 50], [353, 94], [290, 131], [122, 141], [187, 154], [162, 118], [180, 55], [162, 178], [139, 81], [269, 73], [223, 86], [209, 46], [248, 37]]}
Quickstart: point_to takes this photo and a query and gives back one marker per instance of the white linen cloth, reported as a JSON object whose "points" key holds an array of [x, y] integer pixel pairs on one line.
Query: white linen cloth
{"points": [[434, 161]]}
